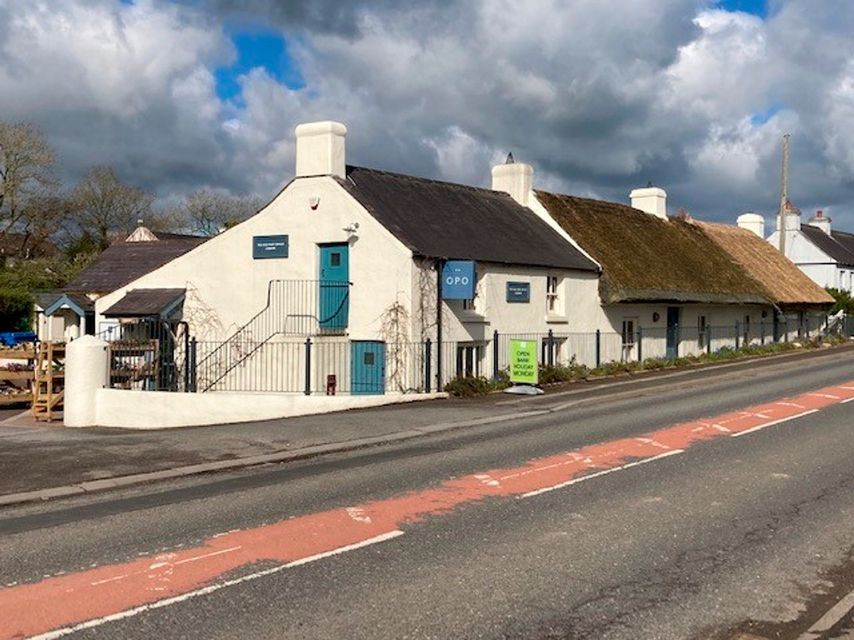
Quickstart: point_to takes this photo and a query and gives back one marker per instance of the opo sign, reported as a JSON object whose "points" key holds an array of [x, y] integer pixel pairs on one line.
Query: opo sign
{"points": [[458, 280]]}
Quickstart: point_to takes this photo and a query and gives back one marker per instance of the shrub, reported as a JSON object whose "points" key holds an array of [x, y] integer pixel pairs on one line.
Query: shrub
{"points": [[16, 310], [470, 386], [551, 373]]}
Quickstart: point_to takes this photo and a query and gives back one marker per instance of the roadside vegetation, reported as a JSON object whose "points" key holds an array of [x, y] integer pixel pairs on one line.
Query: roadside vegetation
{"points": [[470, 386], [50, 232]]}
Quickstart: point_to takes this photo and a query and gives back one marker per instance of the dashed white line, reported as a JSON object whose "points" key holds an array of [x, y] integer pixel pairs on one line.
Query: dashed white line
{"points": [[590, 476], [772, 423], [208, 555], [129, 613]]}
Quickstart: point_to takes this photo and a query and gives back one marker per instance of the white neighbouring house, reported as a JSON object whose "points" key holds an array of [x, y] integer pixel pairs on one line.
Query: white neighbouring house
{"points": [[823, 253]]}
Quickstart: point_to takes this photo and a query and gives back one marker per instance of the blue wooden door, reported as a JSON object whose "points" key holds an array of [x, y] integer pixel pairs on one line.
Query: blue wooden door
{"points": [[367, 368], [672, 332], [334, 303]]}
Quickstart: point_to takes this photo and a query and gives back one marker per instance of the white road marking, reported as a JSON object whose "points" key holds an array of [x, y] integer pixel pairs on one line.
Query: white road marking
{"points": [[208, 555], [772, 423], [106, 580], [829, 619], [846, 401], [129, 613], [829, 396], [590, 476]]}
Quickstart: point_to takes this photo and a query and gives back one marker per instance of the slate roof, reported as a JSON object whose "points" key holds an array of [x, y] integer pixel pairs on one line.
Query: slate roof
{"points": [[76, 301], [785, 284], [142, 303], [445, 220], [645, 258], [838, 245], [124, 262]]}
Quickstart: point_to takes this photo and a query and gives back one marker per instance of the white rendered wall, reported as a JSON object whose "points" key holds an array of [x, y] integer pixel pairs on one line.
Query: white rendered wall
{"points": [[226, 287], [162, 410], [86, 373]]}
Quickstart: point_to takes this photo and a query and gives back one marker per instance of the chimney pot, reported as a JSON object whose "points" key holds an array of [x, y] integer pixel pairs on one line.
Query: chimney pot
{"points": [[820, 221]]}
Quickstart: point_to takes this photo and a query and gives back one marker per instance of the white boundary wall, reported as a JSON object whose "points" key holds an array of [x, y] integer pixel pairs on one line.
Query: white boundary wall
{"points": [[165, 410]]}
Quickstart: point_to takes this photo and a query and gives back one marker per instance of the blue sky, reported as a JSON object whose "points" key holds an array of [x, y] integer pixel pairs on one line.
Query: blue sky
{"points": [[257, 48], [756, 7]]}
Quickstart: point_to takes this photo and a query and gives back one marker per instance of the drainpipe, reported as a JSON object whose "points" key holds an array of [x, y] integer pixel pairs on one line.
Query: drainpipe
{"points": [[440, 264]]}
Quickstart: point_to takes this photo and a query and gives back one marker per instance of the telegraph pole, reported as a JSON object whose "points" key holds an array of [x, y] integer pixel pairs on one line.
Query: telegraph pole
{"points": [[784, 193]]}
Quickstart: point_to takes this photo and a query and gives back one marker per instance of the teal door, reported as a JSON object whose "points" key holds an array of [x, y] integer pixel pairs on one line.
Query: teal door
{"points": [[367, 368], [333, 303]]}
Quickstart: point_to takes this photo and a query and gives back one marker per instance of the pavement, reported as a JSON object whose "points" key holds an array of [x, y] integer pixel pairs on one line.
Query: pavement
{"points": [[42, 462], [714, 506]]}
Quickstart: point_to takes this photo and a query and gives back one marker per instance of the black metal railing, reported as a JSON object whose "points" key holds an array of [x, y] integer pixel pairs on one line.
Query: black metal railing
{"points": [[294, 308], [162, 357], [149, 355]]}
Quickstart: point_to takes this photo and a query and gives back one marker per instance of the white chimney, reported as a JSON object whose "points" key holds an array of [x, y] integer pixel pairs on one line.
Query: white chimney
{"points": [[651, 200], [753, 222], [792, 218], [821, 221], [515, 178], [320, 149]]}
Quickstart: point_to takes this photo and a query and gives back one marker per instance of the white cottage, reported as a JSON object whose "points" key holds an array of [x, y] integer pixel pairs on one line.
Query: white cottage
{"points": [[349, 271]]}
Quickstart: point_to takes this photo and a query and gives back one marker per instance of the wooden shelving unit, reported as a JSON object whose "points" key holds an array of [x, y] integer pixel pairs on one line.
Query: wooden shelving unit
{"points": [[49, 383], [133, 363], [17, 376]]}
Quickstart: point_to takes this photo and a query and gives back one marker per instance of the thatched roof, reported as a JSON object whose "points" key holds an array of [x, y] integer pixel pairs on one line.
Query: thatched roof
{"points": [[786, 285], [646, 258]]}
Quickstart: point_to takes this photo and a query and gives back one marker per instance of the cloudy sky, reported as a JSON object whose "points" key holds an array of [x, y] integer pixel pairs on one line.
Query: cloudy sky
{"points": [[599, 95]]}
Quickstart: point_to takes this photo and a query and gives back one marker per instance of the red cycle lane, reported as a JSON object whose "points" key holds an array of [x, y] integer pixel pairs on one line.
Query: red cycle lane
{"points": [[59, 605]]}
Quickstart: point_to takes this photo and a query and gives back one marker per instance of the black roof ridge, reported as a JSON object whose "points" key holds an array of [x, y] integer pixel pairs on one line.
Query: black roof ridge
{"points": [[447, 183]]}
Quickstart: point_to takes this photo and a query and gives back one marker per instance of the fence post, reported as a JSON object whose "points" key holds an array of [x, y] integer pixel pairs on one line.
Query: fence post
{"points": [[598, 348], [640, 344], [550, 356], [737, 329], [495, 353], [191, 366], [308, 366], [427, 357]]}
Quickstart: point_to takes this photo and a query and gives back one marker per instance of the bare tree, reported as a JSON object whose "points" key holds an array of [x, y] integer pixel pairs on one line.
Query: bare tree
{"points": [[25, 178], [209, 212], [105, 205]]}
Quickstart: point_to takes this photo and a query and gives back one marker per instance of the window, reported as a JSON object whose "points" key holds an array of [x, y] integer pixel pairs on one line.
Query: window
{"points": [[468, 359], [552, 299], [628, 337], [468, 305], [746, 330], [628, 332], [335, 259], [701, 332]]}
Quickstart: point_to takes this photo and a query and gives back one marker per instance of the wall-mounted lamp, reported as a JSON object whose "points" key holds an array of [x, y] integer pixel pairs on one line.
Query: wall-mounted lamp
{"points": [[314, 202], [352, 228]]}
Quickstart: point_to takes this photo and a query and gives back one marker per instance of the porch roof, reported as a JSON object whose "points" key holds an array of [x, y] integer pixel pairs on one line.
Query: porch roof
{"points": [[145, 303]]}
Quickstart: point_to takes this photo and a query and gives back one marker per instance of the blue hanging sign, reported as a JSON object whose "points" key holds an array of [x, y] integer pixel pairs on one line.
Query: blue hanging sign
{"points": [[458, 280], [264, 247], [519, 292]]}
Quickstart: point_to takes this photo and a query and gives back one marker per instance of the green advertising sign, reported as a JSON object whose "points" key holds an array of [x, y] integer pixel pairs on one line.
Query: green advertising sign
{"points": [[523, 361]]}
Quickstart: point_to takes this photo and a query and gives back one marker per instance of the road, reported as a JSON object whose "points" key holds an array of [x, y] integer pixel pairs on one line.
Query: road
{"points": [[675, 514]]}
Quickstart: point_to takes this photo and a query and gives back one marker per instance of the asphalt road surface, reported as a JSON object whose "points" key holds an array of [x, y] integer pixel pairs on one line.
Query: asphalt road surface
{"points": [[722, 508]]}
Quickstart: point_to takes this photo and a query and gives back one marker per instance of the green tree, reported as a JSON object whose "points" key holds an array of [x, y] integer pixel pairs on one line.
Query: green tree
{"points": [[103, 205], [844, 301]]}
